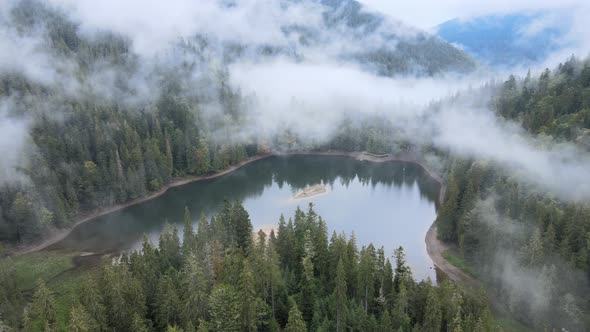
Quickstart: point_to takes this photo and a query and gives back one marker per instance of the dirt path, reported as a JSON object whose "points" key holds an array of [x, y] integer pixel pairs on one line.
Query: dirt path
{"points": [[434, 247]]}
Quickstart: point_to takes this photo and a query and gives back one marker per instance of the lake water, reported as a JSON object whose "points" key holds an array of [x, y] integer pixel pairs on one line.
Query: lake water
{"points": [[389, 204]]}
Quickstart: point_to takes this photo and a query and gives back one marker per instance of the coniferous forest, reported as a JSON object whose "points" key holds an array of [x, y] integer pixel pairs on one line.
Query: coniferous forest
{"points": [[221, 278], [99, 124], [484, 201]]}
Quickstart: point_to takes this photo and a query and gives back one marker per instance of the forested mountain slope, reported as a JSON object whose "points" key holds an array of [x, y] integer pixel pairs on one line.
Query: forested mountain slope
{"points": [[98, 124], [403, 49], [530, 246]]}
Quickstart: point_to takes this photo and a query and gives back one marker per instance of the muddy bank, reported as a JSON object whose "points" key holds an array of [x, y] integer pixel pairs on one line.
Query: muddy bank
{"points": [[56, 235]]}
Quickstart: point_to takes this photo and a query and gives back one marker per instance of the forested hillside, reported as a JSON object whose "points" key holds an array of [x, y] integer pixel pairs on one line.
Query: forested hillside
{"points": [[530, 246], [403, 50], [224, 279], [104, 126], [96, 123], [91, 150]]}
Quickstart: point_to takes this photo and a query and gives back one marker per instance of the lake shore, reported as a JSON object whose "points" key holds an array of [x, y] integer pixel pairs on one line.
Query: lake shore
{"points": [[434, 246]]}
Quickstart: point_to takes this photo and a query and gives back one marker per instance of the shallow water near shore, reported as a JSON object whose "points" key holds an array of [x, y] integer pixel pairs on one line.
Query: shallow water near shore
{"points": [[389, 204]]}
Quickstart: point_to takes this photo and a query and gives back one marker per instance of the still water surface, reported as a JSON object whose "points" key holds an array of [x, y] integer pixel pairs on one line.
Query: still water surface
{"points": [[390, 204]]}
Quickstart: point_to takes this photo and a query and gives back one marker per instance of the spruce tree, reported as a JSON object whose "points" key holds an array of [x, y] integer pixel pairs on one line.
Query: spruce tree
{"points": [[80, 320], [248, 301], [224, 309], [340, 297], [433, 313], [188, 236], [42, 315], [296, 322]]}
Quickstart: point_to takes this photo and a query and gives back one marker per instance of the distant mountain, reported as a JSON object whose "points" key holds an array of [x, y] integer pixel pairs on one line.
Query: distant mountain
{"points": [[507, 40], [381, 44], [404, 50]]}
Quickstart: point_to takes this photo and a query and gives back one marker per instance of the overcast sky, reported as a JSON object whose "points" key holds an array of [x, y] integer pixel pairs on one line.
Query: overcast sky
{"points": [[426, 14]]}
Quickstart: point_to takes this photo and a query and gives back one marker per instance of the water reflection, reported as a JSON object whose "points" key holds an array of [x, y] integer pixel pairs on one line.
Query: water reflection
{"points": [[389, 204]]}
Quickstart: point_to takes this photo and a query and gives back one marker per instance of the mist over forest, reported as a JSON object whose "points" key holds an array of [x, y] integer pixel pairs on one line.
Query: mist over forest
{"points": [[106, 103]]}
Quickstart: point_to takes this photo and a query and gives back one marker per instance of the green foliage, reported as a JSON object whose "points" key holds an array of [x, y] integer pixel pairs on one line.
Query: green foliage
{"points": [[485, 206], [41, 316], [145, 291], [224, 309], [433, 313], [11, 299], [80, 320], [340, 296], [457, 261], [296, 322]]}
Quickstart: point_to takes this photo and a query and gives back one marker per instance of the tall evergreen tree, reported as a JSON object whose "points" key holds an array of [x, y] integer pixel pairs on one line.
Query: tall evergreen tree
{"points": [[194, 292], [248, 310], [296, 322], [433, 314], [340, 297], [224, 309], [189, 241], [80, 320], [42, 315]]}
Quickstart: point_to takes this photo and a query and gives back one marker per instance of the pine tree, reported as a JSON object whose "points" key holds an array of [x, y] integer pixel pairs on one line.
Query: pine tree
{"points": [[188, 236], [388, 288], [22, 214], [433, 313], [402, 270], [248, 301], [11, 299], [80, 320], [167, 308], [42, 315], [534, 249], [242, 227], [367, 275], [224, 309], [139, 324], [92, 300], [174, 328], [275, 281], [401, 319], [446, 220], [169, 159], [123, 295], [203, 326], [307, 281], [203, 233], [194, 286], [170, 248], [340, 297], [296, 322], [203, 159]]}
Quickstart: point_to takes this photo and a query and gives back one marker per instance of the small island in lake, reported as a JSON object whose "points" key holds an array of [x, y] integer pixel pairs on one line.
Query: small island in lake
{"points": [[316, 189]]}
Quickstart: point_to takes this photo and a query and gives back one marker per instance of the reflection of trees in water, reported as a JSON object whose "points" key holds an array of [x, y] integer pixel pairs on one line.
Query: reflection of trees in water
{"points": [[303, 171], [128, 225]]}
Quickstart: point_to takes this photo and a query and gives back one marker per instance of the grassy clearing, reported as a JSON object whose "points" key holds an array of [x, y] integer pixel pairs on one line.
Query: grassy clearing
{"points": [[40, 265], [59, 272], [458, 262], [511, 325]]}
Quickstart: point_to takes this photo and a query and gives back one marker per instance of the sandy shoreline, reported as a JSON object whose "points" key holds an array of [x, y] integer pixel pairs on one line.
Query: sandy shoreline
{"points": [[434, 247]]}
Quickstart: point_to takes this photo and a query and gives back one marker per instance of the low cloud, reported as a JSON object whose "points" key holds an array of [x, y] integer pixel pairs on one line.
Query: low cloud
{"points": [[14, 139], [310, 95], [476, 132]]}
